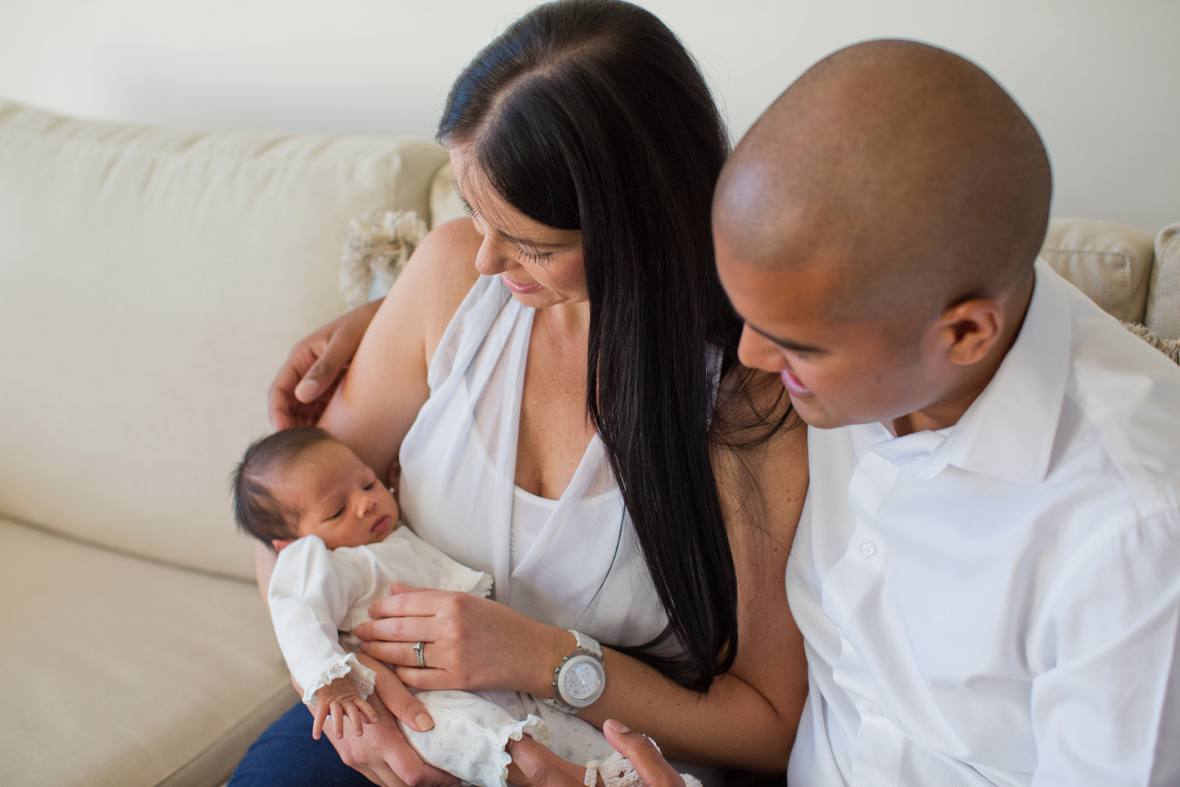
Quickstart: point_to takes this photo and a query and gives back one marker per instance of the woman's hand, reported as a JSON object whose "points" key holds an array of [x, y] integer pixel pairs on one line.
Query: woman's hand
{"points": [[304, 386], [472, 643], [383, 755], [542, 768]]}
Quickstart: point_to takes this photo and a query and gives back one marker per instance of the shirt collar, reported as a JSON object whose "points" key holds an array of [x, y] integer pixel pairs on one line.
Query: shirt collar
{"points": [[1009, 430]]}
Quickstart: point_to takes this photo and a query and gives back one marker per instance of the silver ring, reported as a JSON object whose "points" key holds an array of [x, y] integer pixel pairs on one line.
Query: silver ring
{"points": [[420, 654]]}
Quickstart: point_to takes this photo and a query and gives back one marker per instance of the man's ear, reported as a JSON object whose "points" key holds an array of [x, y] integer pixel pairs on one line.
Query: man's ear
{"points": [[971, 329], [279, 544]]}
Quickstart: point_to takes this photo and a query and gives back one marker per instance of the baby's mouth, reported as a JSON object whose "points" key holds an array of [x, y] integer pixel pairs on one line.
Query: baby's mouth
{"points": [[381, 525]]}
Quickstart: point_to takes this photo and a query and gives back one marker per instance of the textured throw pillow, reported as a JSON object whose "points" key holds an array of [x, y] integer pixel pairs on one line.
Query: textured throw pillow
{"points": [[378, 245], [1169, 347]]}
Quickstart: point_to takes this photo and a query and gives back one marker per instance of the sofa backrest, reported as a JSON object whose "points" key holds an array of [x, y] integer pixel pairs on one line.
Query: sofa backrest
{"points": [[1124, 270], [151, 281]]}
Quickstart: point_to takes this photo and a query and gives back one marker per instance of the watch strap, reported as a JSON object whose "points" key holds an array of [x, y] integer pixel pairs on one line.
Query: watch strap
{"points": [[587, 643]]}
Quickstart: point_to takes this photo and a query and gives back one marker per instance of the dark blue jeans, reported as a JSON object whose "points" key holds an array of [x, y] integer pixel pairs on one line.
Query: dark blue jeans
{"points": [[286, 756]]}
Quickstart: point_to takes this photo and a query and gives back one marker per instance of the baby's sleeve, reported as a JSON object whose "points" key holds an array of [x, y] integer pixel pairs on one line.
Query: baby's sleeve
{"points": [[308, 599]]}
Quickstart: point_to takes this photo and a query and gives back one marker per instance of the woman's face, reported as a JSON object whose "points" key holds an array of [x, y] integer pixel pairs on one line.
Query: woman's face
{"points": [[541, 266]]}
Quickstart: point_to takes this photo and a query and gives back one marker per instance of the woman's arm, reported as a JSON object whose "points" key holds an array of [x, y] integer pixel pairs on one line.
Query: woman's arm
{"points": [[749, 716], [385, 386]]}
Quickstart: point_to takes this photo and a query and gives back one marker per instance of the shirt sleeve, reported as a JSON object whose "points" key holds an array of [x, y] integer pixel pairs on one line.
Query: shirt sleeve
{"points": [[308, 599], [1106, 707]]}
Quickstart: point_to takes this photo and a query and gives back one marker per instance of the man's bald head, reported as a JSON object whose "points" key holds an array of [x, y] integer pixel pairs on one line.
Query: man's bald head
{"points": [[905, 168]]}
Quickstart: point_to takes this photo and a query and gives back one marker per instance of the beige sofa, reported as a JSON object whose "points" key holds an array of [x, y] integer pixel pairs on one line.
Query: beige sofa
{"points": [[150, 282]]}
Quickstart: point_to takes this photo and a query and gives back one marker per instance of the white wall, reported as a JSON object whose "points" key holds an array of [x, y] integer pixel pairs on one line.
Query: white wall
{"points": [[1101, 78]]}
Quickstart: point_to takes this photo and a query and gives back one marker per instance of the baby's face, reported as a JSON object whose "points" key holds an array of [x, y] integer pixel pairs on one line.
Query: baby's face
{"points": [[336, 495]]}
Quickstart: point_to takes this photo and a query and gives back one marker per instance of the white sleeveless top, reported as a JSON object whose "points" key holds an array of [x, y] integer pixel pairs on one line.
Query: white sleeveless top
{"points": [[530, 513], [583, 569]]}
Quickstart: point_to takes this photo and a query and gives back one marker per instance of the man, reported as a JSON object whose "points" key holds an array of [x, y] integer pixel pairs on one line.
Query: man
{"points": [[985, 571]]}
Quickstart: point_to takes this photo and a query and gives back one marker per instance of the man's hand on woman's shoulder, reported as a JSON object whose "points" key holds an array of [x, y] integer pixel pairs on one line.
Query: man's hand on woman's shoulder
{"points": [[304, 385]]}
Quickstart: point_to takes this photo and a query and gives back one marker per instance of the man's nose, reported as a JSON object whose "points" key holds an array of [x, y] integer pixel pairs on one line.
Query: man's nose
{"points": [[758, 352]]}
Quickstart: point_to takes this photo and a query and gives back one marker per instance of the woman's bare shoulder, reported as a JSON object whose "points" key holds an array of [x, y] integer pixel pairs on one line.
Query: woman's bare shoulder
{"points": [[440, 274]]}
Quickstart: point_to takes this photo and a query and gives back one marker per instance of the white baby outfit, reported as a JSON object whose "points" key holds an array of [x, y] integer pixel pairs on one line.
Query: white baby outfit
{"points": [[315, 592]]}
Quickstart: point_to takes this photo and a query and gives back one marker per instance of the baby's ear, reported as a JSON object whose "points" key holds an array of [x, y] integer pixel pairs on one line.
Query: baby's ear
{"points": [[280, 544]]}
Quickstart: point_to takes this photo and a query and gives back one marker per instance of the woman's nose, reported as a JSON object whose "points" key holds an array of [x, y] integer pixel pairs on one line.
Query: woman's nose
{"points": [[490, 260], [758, 352]]}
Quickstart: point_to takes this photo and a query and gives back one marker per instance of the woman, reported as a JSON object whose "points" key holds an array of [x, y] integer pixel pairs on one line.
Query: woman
{"points": [[556, 380]]}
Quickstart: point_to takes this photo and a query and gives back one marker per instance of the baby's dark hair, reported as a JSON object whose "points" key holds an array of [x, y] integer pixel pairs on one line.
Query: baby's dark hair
{"points": [[256, 509]]}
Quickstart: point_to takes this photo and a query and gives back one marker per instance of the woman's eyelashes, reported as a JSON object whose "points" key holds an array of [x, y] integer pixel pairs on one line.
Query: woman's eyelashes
{"points": [[535, 257], [531, 255]]}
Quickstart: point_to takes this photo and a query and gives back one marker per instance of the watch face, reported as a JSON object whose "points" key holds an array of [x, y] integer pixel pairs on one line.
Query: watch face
{"points": [[582, 681]]}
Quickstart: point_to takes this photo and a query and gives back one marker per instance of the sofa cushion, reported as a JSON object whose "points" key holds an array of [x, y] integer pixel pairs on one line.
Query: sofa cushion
{"points": [[119, 670], [1109, 262], [151, 282], [1163, 300], [444, 200]]}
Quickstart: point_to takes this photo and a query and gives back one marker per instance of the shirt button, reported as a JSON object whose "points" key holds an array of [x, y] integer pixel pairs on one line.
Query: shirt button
{"points": [[868, 548], [874, 711]]}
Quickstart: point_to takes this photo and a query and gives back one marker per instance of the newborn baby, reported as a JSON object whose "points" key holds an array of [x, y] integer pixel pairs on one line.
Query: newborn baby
{"points": [[335, 529]]}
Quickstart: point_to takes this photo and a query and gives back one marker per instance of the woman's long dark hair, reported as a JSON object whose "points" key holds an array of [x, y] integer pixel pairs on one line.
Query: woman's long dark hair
{"points": [[590, 115]]}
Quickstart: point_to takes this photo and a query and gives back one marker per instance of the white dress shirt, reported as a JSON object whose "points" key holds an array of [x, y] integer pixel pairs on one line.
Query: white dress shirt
{"points": [[997, 602]]}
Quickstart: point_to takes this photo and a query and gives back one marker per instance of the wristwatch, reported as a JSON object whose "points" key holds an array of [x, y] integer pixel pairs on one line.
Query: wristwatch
{"points": [[580, 678]]}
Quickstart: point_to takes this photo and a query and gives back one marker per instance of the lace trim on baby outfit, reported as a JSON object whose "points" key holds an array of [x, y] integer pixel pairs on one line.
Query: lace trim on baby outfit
{"points": [[346, 664], [483, 587], [536, 729], [617, 771]]}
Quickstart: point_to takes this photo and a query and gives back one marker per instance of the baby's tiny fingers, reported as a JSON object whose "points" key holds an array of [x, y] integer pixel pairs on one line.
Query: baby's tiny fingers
{"points": [[367, 709], [354, 716], [317, 726], [338, 719]]}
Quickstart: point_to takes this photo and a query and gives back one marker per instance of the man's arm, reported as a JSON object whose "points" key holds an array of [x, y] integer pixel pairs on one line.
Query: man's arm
{"points": [[1106, 708]]}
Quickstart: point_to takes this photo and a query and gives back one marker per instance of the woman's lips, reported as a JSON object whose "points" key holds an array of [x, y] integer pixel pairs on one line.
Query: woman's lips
{"points": [[380, 526], [793, 384], [517, 287]]}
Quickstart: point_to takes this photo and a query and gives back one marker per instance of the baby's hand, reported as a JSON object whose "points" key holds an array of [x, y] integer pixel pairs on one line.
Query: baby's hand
{"points": [[341, 698]]}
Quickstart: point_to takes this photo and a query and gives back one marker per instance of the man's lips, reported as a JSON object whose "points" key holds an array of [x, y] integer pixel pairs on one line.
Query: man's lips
{"points": [[793, 384], [381, 525]]}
